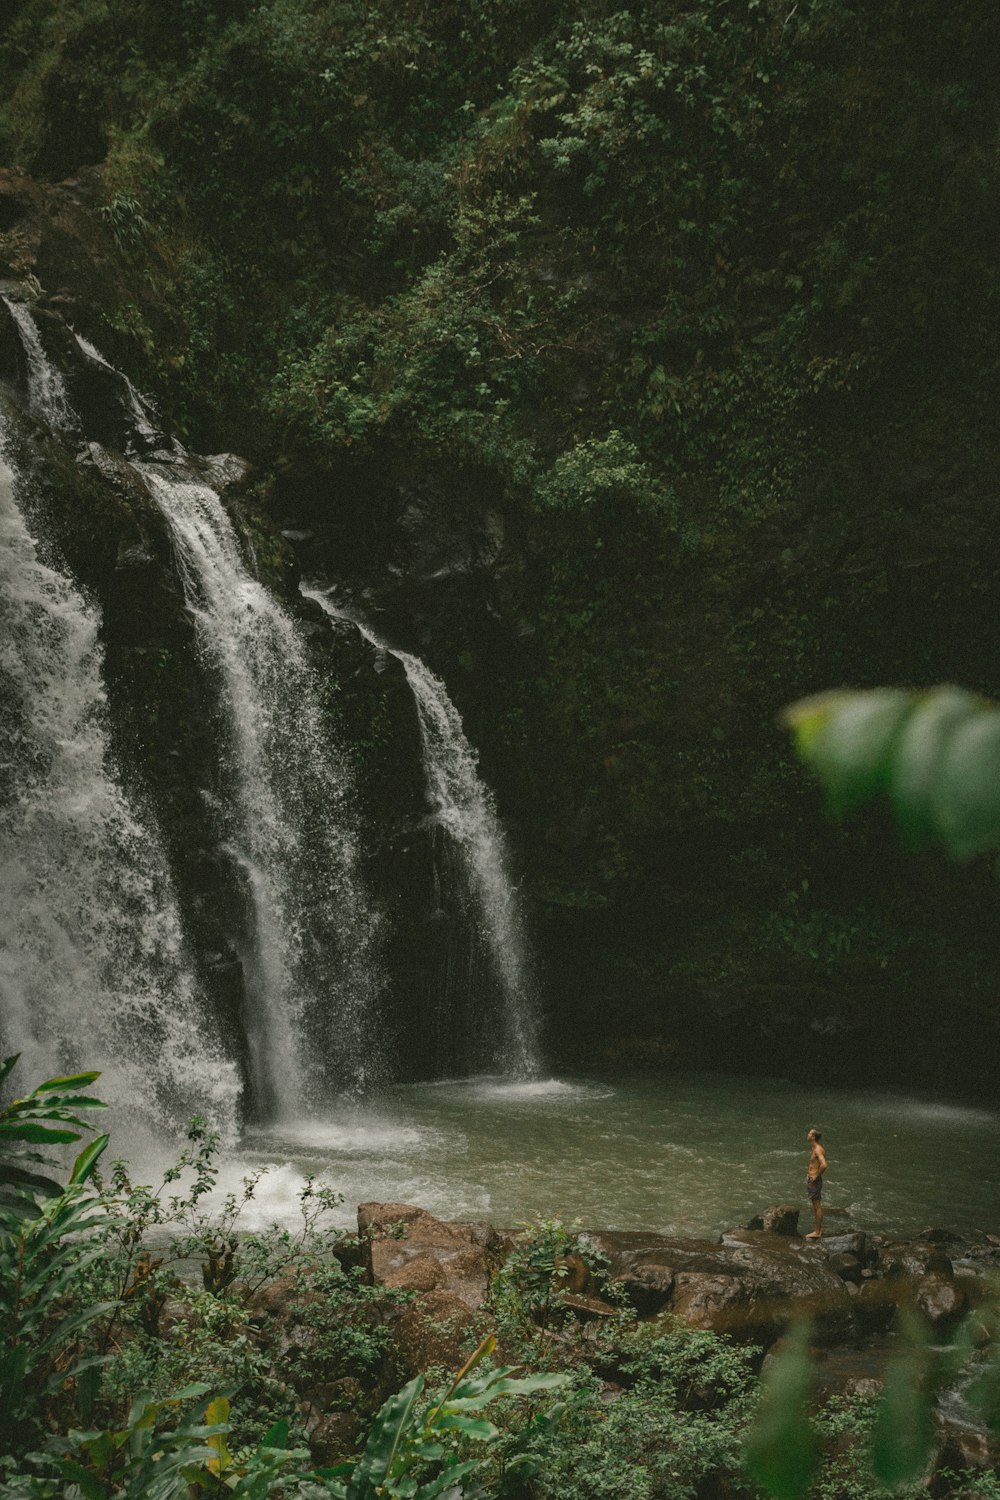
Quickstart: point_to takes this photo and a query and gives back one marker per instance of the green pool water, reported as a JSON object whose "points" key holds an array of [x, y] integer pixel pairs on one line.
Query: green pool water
{"points": [[683, 1154]]}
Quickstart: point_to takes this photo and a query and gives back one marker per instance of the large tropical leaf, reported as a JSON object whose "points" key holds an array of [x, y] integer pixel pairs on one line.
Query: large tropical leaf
{"points": [[781, 1449], [935, 755]]}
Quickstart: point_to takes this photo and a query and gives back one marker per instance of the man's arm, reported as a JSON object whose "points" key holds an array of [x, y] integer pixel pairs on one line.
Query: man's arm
{"points": [[820, 1158]]}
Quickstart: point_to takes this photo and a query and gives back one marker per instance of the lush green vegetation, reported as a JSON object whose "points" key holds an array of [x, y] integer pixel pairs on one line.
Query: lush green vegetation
{"points": [[691, 305], [120, 1379]]}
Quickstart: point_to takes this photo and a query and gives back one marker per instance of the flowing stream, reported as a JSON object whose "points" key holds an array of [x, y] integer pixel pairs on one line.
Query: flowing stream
{"points": [[463, 809]]}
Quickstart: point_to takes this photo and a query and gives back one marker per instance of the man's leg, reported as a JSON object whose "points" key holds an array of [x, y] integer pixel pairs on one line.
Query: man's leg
{"points": [[817, 1233]]}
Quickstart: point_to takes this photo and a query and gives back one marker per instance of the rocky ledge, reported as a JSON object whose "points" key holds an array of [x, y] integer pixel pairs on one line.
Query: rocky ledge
{"points": [[749, 1284]]}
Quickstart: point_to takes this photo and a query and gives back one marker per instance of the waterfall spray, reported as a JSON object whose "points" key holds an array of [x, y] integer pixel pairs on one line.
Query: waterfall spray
{"points": [[93, 970], [463, 809]]}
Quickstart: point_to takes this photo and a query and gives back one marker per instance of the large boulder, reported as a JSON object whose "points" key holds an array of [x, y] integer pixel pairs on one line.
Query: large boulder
{"points": [[410, 1249], [941, 1301], [436, 1328], [781, 1218], [750, 1286]]}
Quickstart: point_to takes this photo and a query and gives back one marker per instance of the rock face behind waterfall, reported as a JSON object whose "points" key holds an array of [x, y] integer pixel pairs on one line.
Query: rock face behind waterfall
{"points": [[105, 522]]}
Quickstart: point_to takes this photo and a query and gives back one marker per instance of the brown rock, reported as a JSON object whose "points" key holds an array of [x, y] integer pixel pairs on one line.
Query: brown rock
{"points": [[939, 1300], [845, 1265], [774, 1277], [912, 1258], [577, 1277], [720, 1303], [783, 1218], [460, 1251], [875, 1304], [587, 1309], [422, 1274], [969, 1448], [437, 1328], [332, 1436]]}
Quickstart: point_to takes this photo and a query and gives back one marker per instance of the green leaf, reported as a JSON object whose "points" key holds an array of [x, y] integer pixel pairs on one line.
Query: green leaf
{"points": [[450, 1480], [966, 800], [277, 1436], [90, 1486], [72, 1081], [781, 1449], [30, 1130], [392, 1423], [88, 1159], [473, 1427], [914, 779], [17, 1177], [904, 1426], [849, 739]]}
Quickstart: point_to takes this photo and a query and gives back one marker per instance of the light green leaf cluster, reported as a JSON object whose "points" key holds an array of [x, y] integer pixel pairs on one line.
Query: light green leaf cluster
{"points": [[935, 755]]}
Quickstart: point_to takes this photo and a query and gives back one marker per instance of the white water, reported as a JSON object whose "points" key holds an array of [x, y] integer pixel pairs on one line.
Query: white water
{"points": [[46, 390], [310, 964], [92, 965], [135, 405], [463, 808]]}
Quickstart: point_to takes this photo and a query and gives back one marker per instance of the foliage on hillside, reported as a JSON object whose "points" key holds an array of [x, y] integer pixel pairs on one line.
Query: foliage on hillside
{"points": [[694, 297]]}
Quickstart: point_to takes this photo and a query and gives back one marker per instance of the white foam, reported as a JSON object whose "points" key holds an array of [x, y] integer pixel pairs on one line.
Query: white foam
{"points": [[350, 1138]]}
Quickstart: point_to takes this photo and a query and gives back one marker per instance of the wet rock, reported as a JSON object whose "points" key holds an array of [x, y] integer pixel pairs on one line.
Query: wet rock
{"points": [[967, 1447], [436, 1328], [422, 1274], [274, 1300], [875, 1304], [911, 1258], [576, 1277], [855, 1244], [332, 1436], [399, 1235], [724, 1304], [749, 1286], [783, 1218], [587, 1309], [846, 1266], [940, 1301]]}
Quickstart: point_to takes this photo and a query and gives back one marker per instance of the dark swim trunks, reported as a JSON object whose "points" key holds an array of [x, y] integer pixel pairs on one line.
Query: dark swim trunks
{"points": [[814, 1189]]}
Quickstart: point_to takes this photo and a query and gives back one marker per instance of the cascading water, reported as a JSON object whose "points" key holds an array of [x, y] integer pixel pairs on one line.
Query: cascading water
{"points": [[135, 405], [310, 969], [92, 965], [46, 390], [463, 809]]}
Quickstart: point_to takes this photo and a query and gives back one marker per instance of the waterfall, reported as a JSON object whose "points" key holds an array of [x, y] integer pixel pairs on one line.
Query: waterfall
{"points": [[137, 408], [93, 970], [46, 390], [463, 809], [311, 972]]}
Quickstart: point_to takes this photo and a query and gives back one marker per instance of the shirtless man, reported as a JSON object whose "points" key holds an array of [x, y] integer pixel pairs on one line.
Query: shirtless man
{"points": [[814, 1180]]}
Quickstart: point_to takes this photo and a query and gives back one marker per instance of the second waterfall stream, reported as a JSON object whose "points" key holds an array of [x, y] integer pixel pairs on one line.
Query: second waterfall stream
{"points": [[461, 805], [310, 966]]}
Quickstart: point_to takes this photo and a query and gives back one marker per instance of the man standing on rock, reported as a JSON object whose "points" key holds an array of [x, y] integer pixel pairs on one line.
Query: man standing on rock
{"points": [[814, 1180]]}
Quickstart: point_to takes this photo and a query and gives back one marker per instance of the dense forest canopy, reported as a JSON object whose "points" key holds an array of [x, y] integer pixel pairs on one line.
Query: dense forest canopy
{"points": [[682, 315]]}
